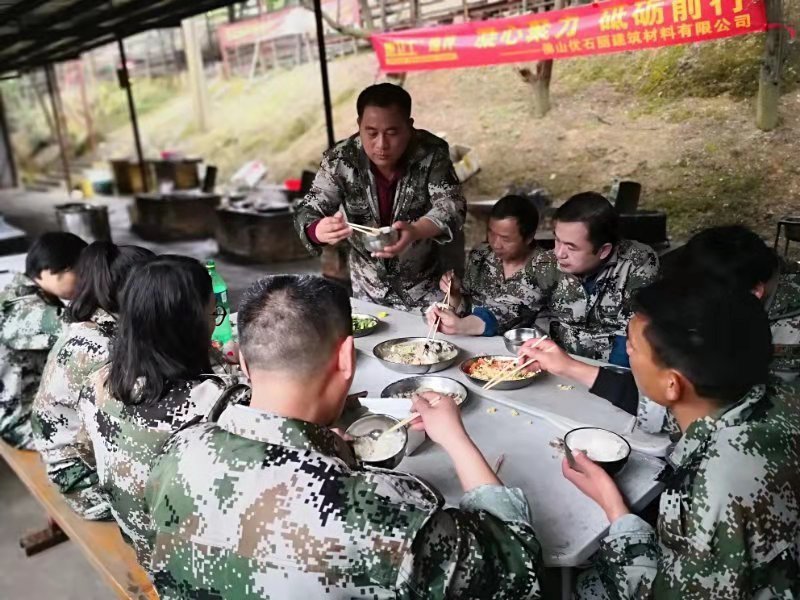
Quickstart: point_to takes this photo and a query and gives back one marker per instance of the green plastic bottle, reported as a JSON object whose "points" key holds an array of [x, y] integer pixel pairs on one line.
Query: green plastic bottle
{"points": [[222, 333]]}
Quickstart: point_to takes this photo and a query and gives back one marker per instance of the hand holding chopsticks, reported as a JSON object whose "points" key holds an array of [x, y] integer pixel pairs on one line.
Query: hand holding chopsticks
{"points": [[435, 326], [509, 372]]}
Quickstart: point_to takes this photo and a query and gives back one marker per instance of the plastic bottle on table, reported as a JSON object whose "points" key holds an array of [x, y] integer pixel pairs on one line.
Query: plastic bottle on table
{"points": [[223, 333]]}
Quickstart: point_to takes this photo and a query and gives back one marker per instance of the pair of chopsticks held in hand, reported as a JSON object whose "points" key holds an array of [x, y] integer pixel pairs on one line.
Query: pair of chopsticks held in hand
{"points": [[510, 371], [434, 328], [373, 231]]}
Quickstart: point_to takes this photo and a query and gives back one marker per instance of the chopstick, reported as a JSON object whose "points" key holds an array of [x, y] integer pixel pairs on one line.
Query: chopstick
{"points": [[498, 463], [514, 372], [500, 376], [364, 229], [435, 326]]}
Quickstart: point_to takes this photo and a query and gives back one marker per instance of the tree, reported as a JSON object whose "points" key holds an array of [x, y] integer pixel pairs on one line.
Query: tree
{"points": [[769, 83], [539, 79]]}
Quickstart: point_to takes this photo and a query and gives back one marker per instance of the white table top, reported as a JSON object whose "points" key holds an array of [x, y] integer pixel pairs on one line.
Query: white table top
{"points": [[13, 263], [568, 524]]}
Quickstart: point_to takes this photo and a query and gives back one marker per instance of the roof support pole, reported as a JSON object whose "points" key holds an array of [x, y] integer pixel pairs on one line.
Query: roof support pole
{"points": [[125, 83], [55, 101], [323, 69]]}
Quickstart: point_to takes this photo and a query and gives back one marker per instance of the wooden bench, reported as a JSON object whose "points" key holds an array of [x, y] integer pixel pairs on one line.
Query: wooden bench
{"points": [[100, 542]]}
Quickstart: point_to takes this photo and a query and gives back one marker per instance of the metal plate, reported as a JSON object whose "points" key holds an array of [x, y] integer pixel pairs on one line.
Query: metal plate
{"points": [[381, 350], [368, 330], [505, 385], [443, 385]]}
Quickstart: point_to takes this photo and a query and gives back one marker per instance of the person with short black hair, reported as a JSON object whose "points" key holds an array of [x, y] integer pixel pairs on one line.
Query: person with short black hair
{"points": [[82, 349], [389, 174], [30, 322], [502, 287], [728, 522], [270, 501], [738, 258], [596, 274], [159, 380]]}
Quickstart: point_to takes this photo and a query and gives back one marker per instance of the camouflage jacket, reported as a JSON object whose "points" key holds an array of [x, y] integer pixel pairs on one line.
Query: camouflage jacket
{"points": [[784, 316], [729, 521], [261, 506], [429, 188], [126, 440], [29, 327], [586, 324], [60, 437], [514, 302]]}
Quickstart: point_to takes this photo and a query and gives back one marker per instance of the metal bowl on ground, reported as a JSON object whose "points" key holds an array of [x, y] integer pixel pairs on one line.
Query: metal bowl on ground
{"points": [[384, 349], [366, 330], [515, 384], [386, 237], [405, 388], [394, 452], [606, 448], [514, 338]]}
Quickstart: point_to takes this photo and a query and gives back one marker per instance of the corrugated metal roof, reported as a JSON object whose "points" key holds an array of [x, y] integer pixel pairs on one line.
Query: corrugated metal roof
{"points": [[36, 32]]}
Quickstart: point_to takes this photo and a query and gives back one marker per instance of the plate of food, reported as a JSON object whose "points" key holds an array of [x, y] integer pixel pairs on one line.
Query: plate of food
{"points": [[364, 324], [416, 355], [409, 387], [482, 369]]}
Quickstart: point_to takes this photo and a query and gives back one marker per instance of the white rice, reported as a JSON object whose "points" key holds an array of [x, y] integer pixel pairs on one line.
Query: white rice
{"points": [[599, 445], [384, 447]]}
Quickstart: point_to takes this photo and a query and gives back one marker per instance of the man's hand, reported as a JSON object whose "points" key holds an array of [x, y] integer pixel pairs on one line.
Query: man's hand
{"points": [[593, 481], [441, 422], [550, 357], [547, 354], [332, 230], [451, 324], [408, 235], [450, 283]]}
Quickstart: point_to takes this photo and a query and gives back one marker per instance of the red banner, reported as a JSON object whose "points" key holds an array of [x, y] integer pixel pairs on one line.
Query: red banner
{"points": [[598, 28]]}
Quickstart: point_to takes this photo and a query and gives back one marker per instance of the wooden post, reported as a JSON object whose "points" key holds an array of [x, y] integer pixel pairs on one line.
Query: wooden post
{"points": [[87, 111], [197, 76], [769, 83], [55, 100], [384, 26]]}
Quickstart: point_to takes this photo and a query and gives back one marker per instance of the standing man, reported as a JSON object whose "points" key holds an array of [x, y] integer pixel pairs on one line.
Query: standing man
{"points": [[597, 275], [388, 175]]}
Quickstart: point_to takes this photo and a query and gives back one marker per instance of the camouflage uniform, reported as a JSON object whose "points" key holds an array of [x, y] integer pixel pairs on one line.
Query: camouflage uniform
{"points": [[126, 440], [783, 310], [29, 327], [261, 506], [586, 324], [59, 434], [728, 525], [514, 302], [429, 188]]}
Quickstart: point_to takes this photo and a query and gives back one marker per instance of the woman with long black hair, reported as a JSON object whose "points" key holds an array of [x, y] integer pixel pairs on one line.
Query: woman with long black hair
{"points": [[82, 349], [159, 379]]}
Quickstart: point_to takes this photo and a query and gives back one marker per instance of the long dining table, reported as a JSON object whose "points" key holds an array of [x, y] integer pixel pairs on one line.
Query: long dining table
{"points": [[525, 426]]}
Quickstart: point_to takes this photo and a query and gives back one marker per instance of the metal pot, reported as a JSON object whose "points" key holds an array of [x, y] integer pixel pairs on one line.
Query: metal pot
{"points": [[370, 423]]}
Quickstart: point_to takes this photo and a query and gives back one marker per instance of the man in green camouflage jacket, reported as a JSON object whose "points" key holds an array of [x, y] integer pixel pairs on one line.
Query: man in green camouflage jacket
{"points": [[729, 518], [596, 275], [30, 323], [503, 286], [271, 503], [389, 174]]}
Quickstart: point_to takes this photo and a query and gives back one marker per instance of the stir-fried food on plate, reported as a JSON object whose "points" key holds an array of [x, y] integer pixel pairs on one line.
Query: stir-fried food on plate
{"points": [[486, 369]]}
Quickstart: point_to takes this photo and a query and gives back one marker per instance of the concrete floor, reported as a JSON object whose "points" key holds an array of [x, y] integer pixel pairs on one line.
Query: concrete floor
{"points": [[63, 572]]}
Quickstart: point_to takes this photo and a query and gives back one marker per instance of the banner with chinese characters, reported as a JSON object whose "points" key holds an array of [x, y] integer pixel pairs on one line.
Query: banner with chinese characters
{"points": [[598, 28]]}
